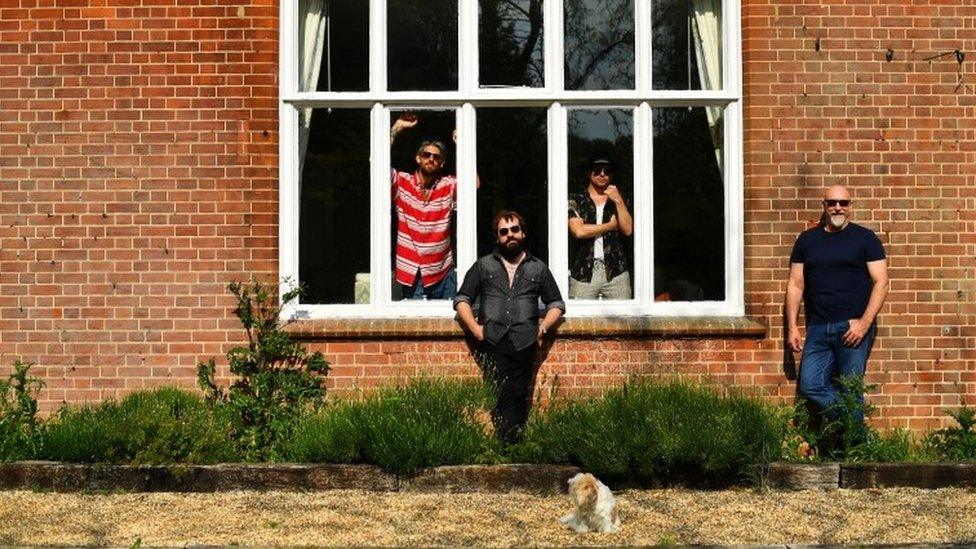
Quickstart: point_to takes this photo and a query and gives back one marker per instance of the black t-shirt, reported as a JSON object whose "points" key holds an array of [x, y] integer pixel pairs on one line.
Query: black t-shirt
{"points": [[837, 284]]}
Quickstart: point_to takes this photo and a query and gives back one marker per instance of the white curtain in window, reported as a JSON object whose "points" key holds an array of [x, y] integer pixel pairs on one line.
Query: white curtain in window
{"points": [[312, 22], [706, 30]]}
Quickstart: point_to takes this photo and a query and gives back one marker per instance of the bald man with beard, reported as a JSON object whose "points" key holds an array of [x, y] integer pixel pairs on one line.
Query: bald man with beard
{"points": [[839, 271]]}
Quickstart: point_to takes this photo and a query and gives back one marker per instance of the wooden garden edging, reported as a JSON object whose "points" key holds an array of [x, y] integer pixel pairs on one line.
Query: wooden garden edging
{"points": [[547, 479], [802, 476], [69, 477]]}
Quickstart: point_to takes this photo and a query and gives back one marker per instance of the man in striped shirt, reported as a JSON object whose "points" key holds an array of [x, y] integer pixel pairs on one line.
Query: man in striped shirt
{"points": [[423, 201]]}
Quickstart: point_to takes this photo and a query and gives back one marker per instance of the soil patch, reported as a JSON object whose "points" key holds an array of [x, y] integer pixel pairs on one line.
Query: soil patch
{"points": [[348, 517]]}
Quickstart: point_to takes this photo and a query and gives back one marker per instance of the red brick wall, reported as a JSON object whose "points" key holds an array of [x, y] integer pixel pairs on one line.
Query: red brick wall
{"points": [[138, 176], [138, 163]]}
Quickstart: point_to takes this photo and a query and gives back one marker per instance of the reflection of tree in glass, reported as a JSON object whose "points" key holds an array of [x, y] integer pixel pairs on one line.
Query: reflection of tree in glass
{"points": [[674, 65], [512, 153], [599, 44], [422, 39], [510, 43]]}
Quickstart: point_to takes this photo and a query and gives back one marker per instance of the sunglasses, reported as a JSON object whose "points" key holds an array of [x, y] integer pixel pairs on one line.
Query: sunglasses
{"points": [[427, 154], [831, 202], [605, 170], [514, 229]]}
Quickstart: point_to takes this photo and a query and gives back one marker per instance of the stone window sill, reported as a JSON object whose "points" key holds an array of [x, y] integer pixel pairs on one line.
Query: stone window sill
{"points": [[664, 327]]}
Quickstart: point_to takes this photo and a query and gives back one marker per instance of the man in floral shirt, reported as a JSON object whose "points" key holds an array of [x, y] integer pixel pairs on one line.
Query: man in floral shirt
{"points": [[599, 220]]}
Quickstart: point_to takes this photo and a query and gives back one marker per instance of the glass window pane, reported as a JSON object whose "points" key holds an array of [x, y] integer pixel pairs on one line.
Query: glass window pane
{"points": [[333, 254], [689, 197], [599, 44], [334, 45], [601, 223], [510, 43], [513, 170], [687, 44], [423, 190], [422, 39]]}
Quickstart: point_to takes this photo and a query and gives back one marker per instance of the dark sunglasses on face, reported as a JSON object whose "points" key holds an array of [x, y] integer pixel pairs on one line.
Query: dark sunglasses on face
{"points": [[428, 154], [831, 202], [605, 170], [503, 231]]}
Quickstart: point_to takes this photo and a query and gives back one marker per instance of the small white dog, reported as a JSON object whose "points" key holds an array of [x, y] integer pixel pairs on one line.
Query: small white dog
{"points": [[596, 508]]}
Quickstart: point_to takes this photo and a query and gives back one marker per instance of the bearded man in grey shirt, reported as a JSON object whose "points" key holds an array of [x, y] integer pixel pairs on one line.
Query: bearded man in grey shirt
{"points": [[510, 283]]}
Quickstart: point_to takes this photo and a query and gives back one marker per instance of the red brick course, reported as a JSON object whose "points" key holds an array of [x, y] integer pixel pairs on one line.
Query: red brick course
{"points": [[138, 175]]}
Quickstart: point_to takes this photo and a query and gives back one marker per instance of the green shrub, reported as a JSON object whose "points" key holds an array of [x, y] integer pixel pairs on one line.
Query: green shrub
{"points": [[278, 380], [403, 429], [20, 435], [147, 427], [956, 443], [658, 432]]}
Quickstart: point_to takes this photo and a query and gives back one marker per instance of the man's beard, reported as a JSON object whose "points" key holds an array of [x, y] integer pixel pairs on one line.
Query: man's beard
{"points": [[511, 249], [837, 221]]}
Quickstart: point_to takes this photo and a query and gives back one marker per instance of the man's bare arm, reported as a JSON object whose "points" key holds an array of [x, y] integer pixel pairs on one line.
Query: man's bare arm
{"points": [[466, 314], [794, 295], [581, 230], [879, 291]]}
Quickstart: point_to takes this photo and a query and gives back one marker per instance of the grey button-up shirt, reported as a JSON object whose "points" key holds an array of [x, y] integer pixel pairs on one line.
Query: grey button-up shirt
{"points": [[514, 309]]}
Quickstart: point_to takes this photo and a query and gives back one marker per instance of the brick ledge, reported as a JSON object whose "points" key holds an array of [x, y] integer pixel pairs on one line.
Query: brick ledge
{"points": [[643, 326]]}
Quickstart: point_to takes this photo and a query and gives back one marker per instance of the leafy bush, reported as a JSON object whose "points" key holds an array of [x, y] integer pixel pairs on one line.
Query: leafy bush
{"points": [[147, 427], [20, 435], [660, 433], [278, 380], [956, 443], [403, 429]]}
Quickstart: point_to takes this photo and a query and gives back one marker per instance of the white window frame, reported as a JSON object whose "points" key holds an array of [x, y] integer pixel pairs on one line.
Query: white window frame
{"points": [[465, 101]]}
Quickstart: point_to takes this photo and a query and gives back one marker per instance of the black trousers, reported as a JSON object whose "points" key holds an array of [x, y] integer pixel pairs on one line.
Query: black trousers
{"points": [[509, 372]]}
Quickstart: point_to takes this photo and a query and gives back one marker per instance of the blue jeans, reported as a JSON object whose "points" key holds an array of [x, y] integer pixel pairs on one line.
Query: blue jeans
{"points": [[826, 358], [445, 289]]}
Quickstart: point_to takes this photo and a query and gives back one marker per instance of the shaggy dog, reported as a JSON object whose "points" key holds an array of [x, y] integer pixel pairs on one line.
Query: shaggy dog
{"points": [[596, 508]]}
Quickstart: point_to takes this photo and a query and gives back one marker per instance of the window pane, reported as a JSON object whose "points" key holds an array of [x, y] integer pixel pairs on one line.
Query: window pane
{"points": [[601, 152], [423, 192], [510, 43], [334, 234], [513, 170], [689, 220], [334, 45], [687, 44], [599, 44], [422, 38]]}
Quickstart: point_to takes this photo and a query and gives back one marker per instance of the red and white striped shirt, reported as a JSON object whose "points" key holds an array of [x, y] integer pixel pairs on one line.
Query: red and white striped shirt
{"points": [[423, 227]]}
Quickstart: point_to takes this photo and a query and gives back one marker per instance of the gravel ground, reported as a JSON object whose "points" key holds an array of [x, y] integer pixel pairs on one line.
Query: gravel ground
{"points": [[346, 517]]}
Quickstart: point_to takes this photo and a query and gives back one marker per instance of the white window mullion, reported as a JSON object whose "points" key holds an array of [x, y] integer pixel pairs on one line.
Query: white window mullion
{"points": [[731, 47], [644, 290], [643, 57], [377, 45], [288, 195], [734, 204], [554, 36], [467, 46], [380, 208], [558, 197], [467, 195]]}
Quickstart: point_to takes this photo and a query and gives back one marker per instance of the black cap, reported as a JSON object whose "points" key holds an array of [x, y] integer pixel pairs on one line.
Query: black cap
{"points": [[603, 158]]}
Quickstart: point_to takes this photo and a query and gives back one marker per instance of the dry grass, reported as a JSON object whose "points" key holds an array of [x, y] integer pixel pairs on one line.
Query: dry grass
{"points": [[345, 517]]}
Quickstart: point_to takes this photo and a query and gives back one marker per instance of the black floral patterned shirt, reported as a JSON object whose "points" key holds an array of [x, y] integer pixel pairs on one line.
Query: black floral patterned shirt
{"points": [[581, 250]]}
